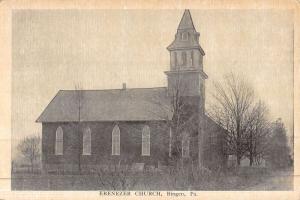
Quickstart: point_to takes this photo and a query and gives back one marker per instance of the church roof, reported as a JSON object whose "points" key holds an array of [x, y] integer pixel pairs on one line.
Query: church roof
{"points": [[139, 104]]}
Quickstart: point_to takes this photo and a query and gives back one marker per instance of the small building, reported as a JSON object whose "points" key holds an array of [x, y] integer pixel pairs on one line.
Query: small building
{"points": [[87, 128]]}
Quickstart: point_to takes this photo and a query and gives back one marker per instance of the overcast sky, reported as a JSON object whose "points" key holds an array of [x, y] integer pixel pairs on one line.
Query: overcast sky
{"points": [[101, 49]]}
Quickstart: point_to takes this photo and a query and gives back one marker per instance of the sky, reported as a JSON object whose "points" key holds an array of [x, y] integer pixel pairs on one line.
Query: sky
{"points": [[101, 49]]}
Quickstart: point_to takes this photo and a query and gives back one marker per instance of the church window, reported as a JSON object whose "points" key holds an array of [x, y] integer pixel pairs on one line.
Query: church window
{"points": [[146, 141], [184, 36], [87, 139], [192, 58], [59, 135], [213, 139], [116, 140], [183, 58], [185, 146], [175, 58]]}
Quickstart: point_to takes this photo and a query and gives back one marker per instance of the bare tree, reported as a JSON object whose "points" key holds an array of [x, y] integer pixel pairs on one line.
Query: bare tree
{"points": [[30, 149], [180, 116], [257, 133], [232, 101]]}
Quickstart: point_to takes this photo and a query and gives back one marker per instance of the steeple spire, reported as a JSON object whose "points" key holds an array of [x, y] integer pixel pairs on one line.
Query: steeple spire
{"points": [[186, 59], [186, 37], [186, 21]]}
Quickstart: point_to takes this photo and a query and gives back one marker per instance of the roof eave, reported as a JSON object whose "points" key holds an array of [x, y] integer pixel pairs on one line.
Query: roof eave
{"points": [[115, 120], [173, 47], [38, 120]]}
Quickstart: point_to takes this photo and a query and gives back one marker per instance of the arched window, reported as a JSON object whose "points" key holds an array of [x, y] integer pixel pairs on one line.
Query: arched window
{"points": [[146, 141], [183, 58], [115, 149], [59, 141], [175, 59], [87, 139], [192, 58], [184, 36], [185, 145], [213, 139]]}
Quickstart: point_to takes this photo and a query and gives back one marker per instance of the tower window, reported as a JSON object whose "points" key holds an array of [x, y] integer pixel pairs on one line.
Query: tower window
{"points": [[116, 140], [184, 36], [213, 139], [192, 58], [175, 58], [183, 58]]}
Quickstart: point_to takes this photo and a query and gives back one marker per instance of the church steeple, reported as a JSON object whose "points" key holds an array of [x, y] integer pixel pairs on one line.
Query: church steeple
{"points": [[185, 49], [186, 61]]}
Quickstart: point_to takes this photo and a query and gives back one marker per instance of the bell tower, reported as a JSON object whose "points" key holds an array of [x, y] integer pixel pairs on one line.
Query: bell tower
{"points": [[186, 75]]}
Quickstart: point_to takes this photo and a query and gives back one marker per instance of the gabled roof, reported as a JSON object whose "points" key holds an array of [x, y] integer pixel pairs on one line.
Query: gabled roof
{"points": [[140, 104], [186, 21]]}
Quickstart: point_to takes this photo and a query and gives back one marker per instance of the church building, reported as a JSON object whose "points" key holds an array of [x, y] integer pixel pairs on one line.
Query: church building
{"points": [[82, 129]]}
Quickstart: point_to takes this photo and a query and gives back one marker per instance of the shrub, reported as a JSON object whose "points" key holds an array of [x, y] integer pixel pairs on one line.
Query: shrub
{"points": [[116, 176]]}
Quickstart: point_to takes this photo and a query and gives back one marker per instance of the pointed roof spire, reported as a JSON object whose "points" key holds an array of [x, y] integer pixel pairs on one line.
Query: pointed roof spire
{"points": [[186, 25], [186, 21]]}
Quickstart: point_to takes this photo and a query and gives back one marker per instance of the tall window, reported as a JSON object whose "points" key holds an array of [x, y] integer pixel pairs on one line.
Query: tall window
{"points": [[87, 139], [184, 36], [183, 58], [213, 139], [146, 141], [115, 141], [59, 141], [192, 58], [175, 58], [185, 146]]}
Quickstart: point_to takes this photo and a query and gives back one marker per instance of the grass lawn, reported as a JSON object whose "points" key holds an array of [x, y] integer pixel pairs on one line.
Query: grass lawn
{"points": [[247, 179]]}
